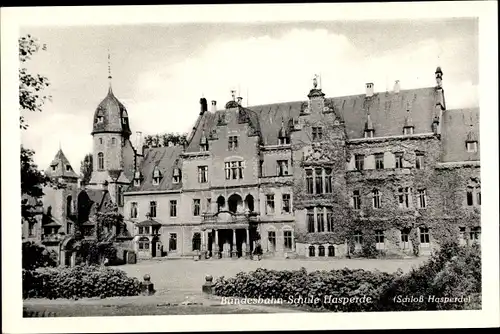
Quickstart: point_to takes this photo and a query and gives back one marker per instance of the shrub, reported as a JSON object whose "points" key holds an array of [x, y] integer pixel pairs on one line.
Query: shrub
{"points": [[92, 252], [296, 286], [78, 282], [35, 256]]}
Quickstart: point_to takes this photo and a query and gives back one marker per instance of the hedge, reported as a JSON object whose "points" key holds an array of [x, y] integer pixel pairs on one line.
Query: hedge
{"points": [[78, 282], [453, 272]]}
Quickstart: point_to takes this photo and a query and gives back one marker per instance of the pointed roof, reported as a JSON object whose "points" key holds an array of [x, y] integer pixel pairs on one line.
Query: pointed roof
{"points": [[60, 167], [111, 116]]}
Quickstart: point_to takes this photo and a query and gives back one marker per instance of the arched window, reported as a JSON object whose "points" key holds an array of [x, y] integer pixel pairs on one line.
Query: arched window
{"points": [[312, 251], [321, 250], [221, 202], [100, 160], [331, 250], [69, 205]]}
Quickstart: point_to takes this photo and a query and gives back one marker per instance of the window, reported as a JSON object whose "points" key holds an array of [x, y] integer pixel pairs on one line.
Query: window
{"points": [[478, 196], [285, 201], [310, 221], [152, 209], [209, 205], [69, 205], [470, 196], [176, 178], [100, 141], [369, 133], [156, 176], [309, 181], [320, 219], [408, 130], [399, 159], [329, 219], [232, 143], [287, 236], [146, 230], [379, 239], [358, 240], [68, 168], [196, 207], [328, 180], [172, 242], [379, 161], [100, 160], [234, 170], [113, 141], [405, 241], [472, 147], [359, 161], [100, 119], [271, 237], [261, 168], [54, 167], [269, 204], [475, 234], [31, 229], [312, 251], [404, 197], [141, 230], [331, 250], [124, 120], [317, 133], [196, 241], [204, 144], [173, 208], [283, 141], [376, 198], [133, 210], [143, 243], [318, 175], [137, 182], [424, 236], [422, 198], [282, 167], [356, 199], [202, 174], [156, 181], [461, 236], [321, 250], [419, 161]]}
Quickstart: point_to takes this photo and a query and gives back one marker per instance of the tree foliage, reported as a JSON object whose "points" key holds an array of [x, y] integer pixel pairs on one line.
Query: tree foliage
{"points": [[162, 140], [36, 256], [86, 168], [32, 181], [31, 86]]}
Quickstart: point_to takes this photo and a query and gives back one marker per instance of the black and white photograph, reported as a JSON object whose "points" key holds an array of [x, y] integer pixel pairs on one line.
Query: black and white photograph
{"points": [[215, 160]]}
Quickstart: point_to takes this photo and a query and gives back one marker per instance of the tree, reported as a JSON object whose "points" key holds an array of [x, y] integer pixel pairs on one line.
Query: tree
{"points": [[162, 140], [86, 168], [31, 86], [32, 181]]}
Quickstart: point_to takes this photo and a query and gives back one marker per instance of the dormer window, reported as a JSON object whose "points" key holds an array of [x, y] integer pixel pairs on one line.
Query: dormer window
{"points": [[177, 176], [100, 119], [156, 176], [471, 147], [284, 141], [369, 133], [137, 179], [68, 168], [124, 120], [408, 130], [203, 143], [54, 168]]}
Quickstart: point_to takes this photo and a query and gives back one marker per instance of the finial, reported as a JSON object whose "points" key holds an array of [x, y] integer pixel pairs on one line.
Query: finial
{"points": [[233, 94], [109, 65], [59, 144], [315, 81]]}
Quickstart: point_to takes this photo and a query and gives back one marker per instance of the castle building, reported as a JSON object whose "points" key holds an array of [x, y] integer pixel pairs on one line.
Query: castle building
{"points": [[394, 173]]}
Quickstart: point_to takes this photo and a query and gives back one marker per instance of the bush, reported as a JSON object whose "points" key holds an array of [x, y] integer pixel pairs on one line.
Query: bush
{"points": [[35, 256], [78, 282], [94, 253], [296, 286]]}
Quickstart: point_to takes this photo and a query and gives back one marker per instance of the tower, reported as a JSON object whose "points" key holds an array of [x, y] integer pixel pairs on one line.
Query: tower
{"points": [[111, 145]]}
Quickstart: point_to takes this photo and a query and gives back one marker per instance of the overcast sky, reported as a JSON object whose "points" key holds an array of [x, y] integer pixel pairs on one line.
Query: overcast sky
{"points": [[160, 71]]}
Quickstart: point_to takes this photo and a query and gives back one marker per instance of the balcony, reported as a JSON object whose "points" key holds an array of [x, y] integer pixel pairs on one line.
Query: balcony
{"points": [[229, 218], [52, 238]]}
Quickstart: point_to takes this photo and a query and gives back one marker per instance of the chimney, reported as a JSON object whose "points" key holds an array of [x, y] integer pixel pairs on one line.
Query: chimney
{"points": [[203, 103], [239, 100], [397, 86], [138, 139], [214, 106], [369, 89]]}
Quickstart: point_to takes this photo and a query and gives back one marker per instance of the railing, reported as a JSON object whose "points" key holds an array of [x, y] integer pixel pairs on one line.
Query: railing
{"points": [[230, 217], [52, 237]]}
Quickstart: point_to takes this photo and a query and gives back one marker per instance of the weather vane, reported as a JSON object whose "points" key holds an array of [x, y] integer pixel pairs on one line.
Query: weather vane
{"points": [[315, 81]]}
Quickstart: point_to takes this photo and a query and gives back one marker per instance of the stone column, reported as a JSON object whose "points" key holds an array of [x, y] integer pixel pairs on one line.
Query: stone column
{"points": [[73, 259], [247, 250], [216, 248], [234, 251]]}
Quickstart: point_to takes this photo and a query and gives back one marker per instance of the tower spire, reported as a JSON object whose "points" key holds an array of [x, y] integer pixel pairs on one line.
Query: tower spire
{"points": [[109, 70]]}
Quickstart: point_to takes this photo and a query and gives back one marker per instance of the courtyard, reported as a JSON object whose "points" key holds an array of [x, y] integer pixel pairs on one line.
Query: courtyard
{"points": [[187, 275]]}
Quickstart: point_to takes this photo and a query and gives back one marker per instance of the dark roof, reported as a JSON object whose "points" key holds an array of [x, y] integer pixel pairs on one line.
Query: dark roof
{"points": [[166, 159], [57, 167], [112, 111], [149, 222], [96, 195], [455, 130]]}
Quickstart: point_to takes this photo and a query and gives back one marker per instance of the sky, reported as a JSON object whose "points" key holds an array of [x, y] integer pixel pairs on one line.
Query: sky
{"points": [[160, 71]]}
